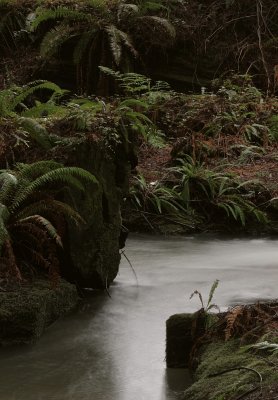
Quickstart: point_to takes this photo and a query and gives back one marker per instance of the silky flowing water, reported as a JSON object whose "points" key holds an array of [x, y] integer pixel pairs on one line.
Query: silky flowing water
{"points": [[113, 348]]}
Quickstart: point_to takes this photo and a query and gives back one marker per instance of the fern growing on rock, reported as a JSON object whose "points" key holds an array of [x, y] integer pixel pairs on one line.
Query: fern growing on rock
{"points": [[32, 219]]}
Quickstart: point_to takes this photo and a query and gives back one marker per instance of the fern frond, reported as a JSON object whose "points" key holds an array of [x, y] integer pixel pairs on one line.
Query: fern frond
{"points": [[36, 257], [8, 183], [54, 39], [62, 175], [161, 25], [4, 234], [152, 6], [32, 171], [6, 98], [231, 318], [117, 40], [29, 89], [44, 15], [135, 103], [41, 109], [13, 271], [197, 293], [51, 206], [273, 347], [46, 224], [82, 46], [212, 291], [127, 42], [36, 131], [115, 43]]}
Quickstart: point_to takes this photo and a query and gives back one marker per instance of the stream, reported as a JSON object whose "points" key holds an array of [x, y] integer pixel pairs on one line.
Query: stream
{"points": [[114, 348]]}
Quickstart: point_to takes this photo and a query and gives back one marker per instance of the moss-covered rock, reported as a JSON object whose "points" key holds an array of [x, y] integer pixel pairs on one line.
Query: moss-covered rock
{"points": [[223, 356], [94, 247], [25, 312], [179, 340], [223, 370]]}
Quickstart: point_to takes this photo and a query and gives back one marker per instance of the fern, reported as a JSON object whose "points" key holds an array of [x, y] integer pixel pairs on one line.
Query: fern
{"points": [[30, 172], [152, 6], [130, 82], [50, 206], [231, 318], [165, 31], [8, 183], [11, 98], [4, 234], [209, 305], [32, 87], [35, 131], [82, 45], [118, 38], [62, 175], [47, 225], [272, 347], [44, 15], [54, 39], [27, 227]]}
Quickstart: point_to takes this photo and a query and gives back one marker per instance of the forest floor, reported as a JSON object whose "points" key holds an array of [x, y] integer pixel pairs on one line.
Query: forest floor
{"points": [[154, 162]]}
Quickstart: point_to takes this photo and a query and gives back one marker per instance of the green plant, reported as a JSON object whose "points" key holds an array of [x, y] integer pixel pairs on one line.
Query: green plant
{"points": [[266, 346], [154, 199], [13, 99], [256, 133], [273, 127], [99, 34], [31, 216], [248, 153], [209, 305], [20, 105], [134, 84], [200, 186], [153, 196]]}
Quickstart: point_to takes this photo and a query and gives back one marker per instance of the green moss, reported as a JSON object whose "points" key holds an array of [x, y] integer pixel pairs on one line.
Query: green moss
{"points": [[28, 310], [221, 356]]}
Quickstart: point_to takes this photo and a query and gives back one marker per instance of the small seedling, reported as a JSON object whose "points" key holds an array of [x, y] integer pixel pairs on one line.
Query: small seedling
{"points": [[209, 306]]}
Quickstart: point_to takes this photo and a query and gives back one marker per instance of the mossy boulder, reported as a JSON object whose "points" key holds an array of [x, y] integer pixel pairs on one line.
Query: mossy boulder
{"points": [[26, 311], [212, 384], [182, 331], [222, 370], [93, 248], [179, 340]]}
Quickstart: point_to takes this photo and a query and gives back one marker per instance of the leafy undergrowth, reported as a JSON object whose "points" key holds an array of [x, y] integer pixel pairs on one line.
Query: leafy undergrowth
{"points": [[219, 159]]}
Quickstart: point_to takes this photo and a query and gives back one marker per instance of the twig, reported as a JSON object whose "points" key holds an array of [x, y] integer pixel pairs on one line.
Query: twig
{"points": [[235, 369], [259, 18], [131, 266], [106, 287]]}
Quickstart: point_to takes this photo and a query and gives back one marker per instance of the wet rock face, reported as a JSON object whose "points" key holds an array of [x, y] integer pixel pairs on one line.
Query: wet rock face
{"points": [[93, 248], [179, 340]]}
